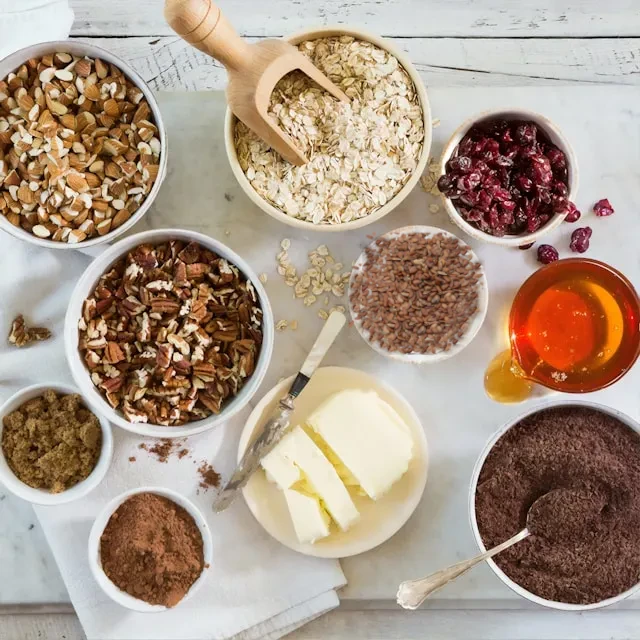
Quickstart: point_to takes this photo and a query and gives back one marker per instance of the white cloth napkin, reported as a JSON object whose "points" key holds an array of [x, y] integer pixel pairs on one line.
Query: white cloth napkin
{"points": [[255, 588], [27, 22]]}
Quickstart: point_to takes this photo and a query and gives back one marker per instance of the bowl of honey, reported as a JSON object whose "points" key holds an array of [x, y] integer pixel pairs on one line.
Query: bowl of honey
{"points": [[574, 326]]}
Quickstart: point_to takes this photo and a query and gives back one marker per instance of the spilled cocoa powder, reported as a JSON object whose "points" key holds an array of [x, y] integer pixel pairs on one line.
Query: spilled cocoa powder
{"points": [[587, 547], [152, 549], [210, 478]]}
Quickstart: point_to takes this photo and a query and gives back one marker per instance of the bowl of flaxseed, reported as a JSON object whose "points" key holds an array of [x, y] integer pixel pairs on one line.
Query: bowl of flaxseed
{"points": [[54, 449], [418, 294], [365, 156]]}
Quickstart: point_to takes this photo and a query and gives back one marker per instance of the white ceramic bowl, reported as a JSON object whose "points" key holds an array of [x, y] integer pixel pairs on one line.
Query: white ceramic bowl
{"points": [[95, 562], [86, 285], [424, 358], [75, 47], [326, 32], [514, 586], [555, 135], [40, 496], [378, 520]]}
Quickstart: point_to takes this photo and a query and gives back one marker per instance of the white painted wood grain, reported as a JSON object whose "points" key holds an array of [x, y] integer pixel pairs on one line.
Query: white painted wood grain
{"points": [[479, 18], [168, 63], [393, 625]]}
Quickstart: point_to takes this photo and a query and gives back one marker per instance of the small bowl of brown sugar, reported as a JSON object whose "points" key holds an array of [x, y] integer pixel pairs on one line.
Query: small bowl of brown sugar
{"points": [[418, 294], [54, 450], [149, 549], [584, 549]]}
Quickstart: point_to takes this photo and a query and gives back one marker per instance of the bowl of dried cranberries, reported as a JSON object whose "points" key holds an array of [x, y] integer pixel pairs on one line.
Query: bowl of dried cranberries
{"points": [[509, 177]]}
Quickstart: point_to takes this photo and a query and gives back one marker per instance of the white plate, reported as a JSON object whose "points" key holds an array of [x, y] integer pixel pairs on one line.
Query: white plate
{"points": [[379, 520]]}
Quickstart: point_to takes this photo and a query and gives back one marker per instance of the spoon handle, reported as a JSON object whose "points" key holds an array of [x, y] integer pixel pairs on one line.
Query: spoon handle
{"points": [[412, 593]]}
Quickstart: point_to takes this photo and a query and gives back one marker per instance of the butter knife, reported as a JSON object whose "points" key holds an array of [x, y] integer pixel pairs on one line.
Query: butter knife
{"points": [[278, 424]]}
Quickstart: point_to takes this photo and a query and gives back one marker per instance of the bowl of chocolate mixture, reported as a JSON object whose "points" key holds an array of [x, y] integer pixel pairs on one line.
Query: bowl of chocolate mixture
{"points": [[584, 552], [149, 549]]}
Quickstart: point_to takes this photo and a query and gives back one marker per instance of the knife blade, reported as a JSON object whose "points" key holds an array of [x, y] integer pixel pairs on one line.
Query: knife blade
{"points": [[278, 423]]}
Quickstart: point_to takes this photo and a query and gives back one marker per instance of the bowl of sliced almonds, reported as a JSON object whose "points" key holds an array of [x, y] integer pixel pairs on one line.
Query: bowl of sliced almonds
{"points": [[84, 148]]}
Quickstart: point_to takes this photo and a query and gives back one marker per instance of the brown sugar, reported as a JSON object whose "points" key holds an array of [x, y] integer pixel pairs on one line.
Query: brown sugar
{"points": [[52, 442], [597, 554], [165, 448], [152, 549]]}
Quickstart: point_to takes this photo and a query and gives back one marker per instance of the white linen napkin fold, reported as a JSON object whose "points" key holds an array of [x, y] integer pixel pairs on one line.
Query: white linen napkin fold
{"points": [[27, 22], [255, 588]]}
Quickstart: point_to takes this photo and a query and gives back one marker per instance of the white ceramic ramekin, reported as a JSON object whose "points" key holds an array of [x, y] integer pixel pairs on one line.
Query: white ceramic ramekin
{"points": [[555, 135], [87, 283], [40, 496], [425, 358], [326, 32], [75, 47], [95, 562], [514, 586]]}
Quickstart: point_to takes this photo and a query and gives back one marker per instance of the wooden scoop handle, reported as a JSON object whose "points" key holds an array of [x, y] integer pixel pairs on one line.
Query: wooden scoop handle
{"points": [[202, 24]]}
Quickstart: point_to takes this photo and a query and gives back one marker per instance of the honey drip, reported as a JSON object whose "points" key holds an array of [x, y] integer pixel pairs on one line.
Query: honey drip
{"points": [[573, 327]]}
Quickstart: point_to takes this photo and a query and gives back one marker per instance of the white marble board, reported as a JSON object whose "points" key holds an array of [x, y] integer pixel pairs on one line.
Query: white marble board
{"points": [[200, 193]]}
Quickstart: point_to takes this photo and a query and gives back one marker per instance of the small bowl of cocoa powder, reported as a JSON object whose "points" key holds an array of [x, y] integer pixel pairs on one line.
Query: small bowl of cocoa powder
{"points": [[54, 449], [584, 551], [418, 294], [149, 549]]}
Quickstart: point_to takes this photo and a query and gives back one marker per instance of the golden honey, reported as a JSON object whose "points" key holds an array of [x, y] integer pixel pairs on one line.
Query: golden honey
{"points": [[574, 326]]}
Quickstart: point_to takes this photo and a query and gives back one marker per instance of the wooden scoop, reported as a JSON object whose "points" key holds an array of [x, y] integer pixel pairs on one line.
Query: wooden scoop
{"points": [[254, 69]]}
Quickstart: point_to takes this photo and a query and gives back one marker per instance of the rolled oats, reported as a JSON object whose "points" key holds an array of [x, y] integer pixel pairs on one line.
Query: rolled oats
{"points": [[79, 151], [360, 153], [416, 293], [170, 333]]}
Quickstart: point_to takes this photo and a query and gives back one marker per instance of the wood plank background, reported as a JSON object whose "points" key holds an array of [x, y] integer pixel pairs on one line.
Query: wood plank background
{"points": [[452, 42]]}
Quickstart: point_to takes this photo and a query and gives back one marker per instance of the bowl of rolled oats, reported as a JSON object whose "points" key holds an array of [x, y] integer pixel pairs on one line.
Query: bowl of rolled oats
{"points": [[83, 148], [168, 333], [365, 156]]}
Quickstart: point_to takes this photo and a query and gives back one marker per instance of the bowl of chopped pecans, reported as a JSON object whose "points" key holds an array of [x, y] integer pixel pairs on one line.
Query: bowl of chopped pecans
{"points": [[168, 333], [84, 149], [365, 156]]}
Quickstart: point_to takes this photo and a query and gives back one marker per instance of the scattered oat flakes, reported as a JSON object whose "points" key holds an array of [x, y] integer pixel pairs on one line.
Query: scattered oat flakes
{"points": [[21, 335], [434, 208], [361, 153], [435, 123], [263, 278], [322, 314], [293, 325], [282, 325]]}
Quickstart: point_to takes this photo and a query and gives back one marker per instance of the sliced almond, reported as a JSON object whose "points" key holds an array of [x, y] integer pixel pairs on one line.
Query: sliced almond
{"points": [[64, 75], [47, 75], [120, 218], [104, 227], [83, 67], [76, 236], [101, 69], [77, 182]]}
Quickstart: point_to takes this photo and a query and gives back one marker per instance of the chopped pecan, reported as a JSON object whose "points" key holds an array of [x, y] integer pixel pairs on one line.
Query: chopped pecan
{"points": [[164, 346], [21, 335]]}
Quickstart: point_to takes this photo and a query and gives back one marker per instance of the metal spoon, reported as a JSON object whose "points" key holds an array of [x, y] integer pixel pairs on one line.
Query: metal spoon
{"points": [[412, 593]]}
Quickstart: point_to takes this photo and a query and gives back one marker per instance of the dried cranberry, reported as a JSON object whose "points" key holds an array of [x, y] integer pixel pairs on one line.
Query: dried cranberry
{"points": [[547, 254], [580, 239], [470, 198], [475, 215], [524, 247], [491, 150], [560, 188], [445, 184], [500, 194], [573, 215], [556, 157], [540, 170], [524, 183], [603, 208], [469, 181], [484, 200], [526, 133], [460, 164]]}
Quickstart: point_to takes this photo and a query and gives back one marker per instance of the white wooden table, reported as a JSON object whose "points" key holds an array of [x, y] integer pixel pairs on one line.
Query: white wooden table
{"points": [[453, 43]]}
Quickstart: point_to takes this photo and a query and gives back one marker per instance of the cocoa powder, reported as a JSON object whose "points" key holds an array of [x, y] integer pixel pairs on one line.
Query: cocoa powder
{"points": [[152, 549], [590, 454]]}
